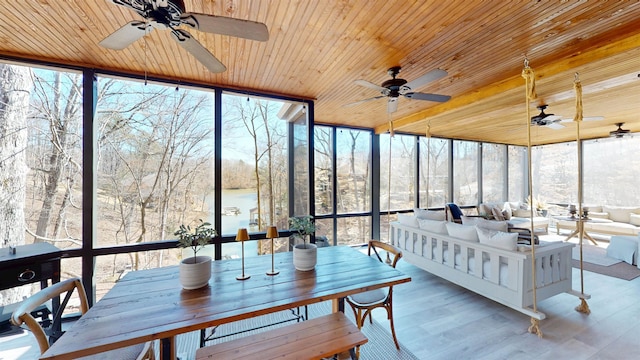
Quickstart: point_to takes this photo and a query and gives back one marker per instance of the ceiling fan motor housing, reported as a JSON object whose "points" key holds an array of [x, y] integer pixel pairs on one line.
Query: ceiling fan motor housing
{"points": [[168, 15], [393, 85]]}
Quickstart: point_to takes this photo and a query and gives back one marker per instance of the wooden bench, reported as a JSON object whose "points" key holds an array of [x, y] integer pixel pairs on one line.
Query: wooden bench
{"points": [[312, 339]]}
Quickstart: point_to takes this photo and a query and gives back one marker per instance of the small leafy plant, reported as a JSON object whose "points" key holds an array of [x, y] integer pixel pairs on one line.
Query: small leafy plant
{"points": [[303, 225], [195, 238]]}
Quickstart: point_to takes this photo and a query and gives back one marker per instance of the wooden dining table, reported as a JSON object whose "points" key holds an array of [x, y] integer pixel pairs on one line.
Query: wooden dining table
{"points": [[150, 304]]}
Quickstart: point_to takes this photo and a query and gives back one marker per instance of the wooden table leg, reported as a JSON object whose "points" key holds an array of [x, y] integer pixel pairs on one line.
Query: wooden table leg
{"points": [[168, 348], [590, 238], [574, 233], [337, 305]]}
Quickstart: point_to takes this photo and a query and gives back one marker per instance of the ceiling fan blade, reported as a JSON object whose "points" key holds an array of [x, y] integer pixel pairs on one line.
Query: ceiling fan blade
{"points": [[429, 97], [363, 101], [586, 118], [126, 35], [392, 105], [227, 26], [552, 117], [432, 75], [555, 126], [370, 85], [198, 51]]}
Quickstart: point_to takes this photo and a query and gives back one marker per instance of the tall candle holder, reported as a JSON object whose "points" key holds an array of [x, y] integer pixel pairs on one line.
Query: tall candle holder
{"points": [[242, 236], [272, 233]]}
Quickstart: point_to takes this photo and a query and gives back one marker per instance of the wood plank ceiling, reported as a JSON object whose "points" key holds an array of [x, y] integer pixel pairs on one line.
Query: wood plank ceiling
{"points": [[317, 48]]}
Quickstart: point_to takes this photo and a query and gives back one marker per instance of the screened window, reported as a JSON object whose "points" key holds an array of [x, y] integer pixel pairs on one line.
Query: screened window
{"points": [[517, 156], [323, 169], [434, 172], [465, 172], [353, 171], [617, 182], [493, 172], [554, 170], [397, 172]]}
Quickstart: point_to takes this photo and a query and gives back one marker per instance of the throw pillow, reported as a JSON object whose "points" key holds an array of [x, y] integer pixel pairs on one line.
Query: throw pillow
{"points": [[484, 210], [463, 232], [497, 214], [620, 213], [429, 214], [470, 220], [492, 225], [506, 211], [499, 239], [408, 220], [434, 226], [521, 213], [634, 219], [598, 215]]}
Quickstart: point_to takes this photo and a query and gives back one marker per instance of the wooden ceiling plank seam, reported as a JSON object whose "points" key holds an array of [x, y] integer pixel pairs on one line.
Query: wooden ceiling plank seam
{"points": [[339, 58], [293, 46], [270, 19], [307, 62], [25, 35], [280, 36], [259, 11], [250, 47]]}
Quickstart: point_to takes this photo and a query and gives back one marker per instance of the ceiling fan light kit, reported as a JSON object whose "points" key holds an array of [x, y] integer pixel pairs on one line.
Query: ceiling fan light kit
{"points": [[170, 14]]}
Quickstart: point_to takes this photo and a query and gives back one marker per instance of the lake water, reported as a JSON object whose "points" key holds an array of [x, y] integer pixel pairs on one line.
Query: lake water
{"points": [[245, 200]]}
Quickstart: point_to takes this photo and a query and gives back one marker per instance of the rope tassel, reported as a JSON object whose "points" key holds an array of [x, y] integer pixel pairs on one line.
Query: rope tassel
{"points": [[583, 307], [535, 327], [577, 86]]}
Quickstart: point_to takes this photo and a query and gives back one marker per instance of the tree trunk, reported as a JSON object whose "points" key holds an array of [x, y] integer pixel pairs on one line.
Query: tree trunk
{"points": [[15, 87]]}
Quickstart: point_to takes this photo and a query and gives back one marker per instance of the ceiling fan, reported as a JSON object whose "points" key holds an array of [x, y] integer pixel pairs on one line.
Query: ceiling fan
{"points": [[553, 121], [170, 14], [549, 120], [393, 88], [619, 132]]}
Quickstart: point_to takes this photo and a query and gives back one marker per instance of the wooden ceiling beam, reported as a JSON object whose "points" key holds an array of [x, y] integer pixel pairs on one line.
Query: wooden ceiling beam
{"points": [[495, 89]]}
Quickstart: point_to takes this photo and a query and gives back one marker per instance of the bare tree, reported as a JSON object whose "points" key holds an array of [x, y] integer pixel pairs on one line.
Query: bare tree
{"points": [[15, 88], [157, 149], [57, 102]]}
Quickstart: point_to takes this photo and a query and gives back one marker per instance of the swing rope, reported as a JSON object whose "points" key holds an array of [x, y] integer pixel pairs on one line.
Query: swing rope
{"points": [[530, 94], [391, 135], [428, 134], [577, 86]]}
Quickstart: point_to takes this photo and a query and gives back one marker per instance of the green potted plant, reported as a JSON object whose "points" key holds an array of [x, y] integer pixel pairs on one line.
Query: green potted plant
{"points": [[195, 270], [304, 254]]}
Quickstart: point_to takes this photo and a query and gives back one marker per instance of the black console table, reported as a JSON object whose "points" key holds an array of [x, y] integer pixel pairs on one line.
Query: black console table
{"points": [[30, 263], [39, 262]]}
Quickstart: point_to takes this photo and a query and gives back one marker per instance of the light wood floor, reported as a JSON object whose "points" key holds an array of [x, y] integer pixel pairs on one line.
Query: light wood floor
{"points": [[436, 319]]}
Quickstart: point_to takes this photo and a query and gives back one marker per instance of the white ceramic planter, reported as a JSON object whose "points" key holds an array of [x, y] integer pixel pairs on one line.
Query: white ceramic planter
{"points": [[195, 274], [305, 256]]}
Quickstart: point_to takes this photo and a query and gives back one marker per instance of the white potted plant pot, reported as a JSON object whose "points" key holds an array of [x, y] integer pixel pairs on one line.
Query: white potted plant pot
{"points": [[305, 256], [195, 272]]}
